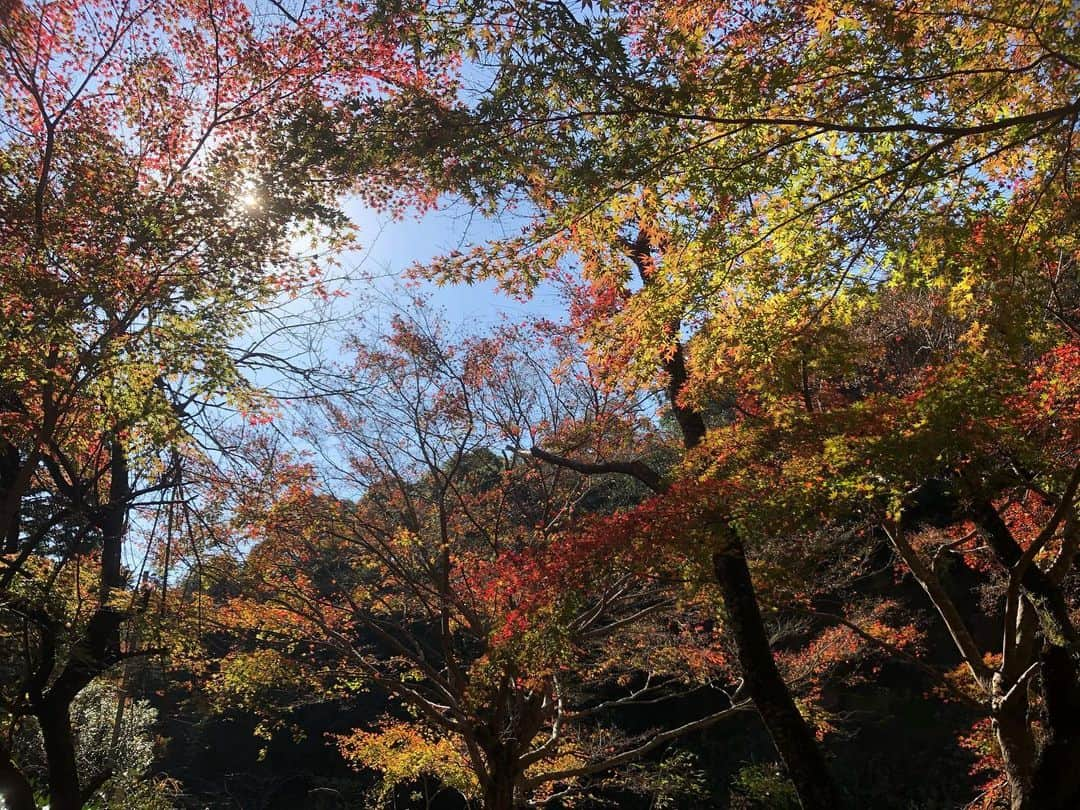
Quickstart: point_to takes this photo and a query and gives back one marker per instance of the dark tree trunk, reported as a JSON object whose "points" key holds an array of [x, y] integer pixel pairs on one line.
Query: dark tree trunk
{"points": [[55, 719], [17, 468], [15, 788], [113, 521], [1056, 780], [691, 423], [94, 653], [1045, 595], [500, 788], [9, 474], [794, 741], [499, 795]]}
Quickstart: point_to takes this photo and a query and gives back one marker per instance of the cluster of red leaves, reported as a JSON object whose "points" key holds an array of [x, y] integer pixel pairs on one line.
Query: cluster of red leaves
{"points": [[519, 586], [1052, 399], [840, 654], [988, 765]]}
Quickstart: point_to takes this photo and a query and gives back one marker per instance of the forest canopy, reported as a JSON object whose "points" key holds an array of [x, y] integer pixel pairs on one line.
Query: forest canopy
{"points": [[777, 507]]}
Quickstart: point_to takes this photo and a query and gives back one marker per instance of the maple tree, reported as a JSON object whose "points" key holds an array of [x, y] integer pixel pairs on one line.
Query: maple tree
{"points": [[471, 588], [961, 458], [940, 445]]}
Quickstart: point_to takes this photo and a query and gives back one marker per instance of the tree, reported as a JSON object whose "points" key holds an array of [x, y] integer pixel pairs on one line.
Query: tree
{"points": [[966, 460], [504, 624], [151, 203]]}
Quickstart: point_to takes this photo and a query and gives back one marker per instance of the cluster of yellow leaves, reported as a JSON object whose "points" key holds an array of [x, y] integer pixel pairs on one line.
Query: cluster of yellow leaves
{"points": [[404, 753]]}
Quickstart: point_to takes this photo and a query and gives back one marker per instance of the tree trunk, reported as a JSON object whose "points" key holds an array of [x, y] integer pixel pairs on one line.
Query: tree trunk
{"points": [[1046, 596], [9, 473], [112, 521], [1055, 774], [94, 653], [500, 788], [794, 741], [1017, 746], [55, 719], [15, 789], [499, 794], [1056, 779]]}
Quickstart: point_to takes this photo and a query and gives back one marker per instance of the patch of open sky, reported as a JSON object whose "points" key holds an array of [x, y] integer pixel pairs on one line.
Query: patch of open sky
{"points": [[370, 285], [389, 247], [296, 350]]}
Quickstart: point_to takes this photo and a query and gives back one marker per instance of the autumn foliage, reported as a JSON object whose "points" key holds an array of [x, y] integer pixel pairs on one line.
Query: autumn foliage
{"points": [[789, 481]]}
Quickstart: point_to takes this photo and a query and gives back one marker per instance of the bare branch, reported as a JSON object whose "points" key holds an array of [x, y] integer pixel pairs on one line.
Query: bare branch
{"points": [[634, 753], [636, 469]]}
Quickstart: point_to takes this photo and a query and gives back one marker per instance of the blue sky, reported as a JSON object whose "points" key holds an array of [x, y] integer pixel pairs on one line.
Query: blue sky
{"points": [[374, 290], [390, 246]]}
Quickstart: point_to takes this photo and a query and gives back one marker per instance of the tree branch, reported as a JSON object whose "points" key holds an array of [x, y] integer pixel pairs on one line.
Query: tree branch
{"points": [[641, 750], [636, 469], [947, 609]]}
